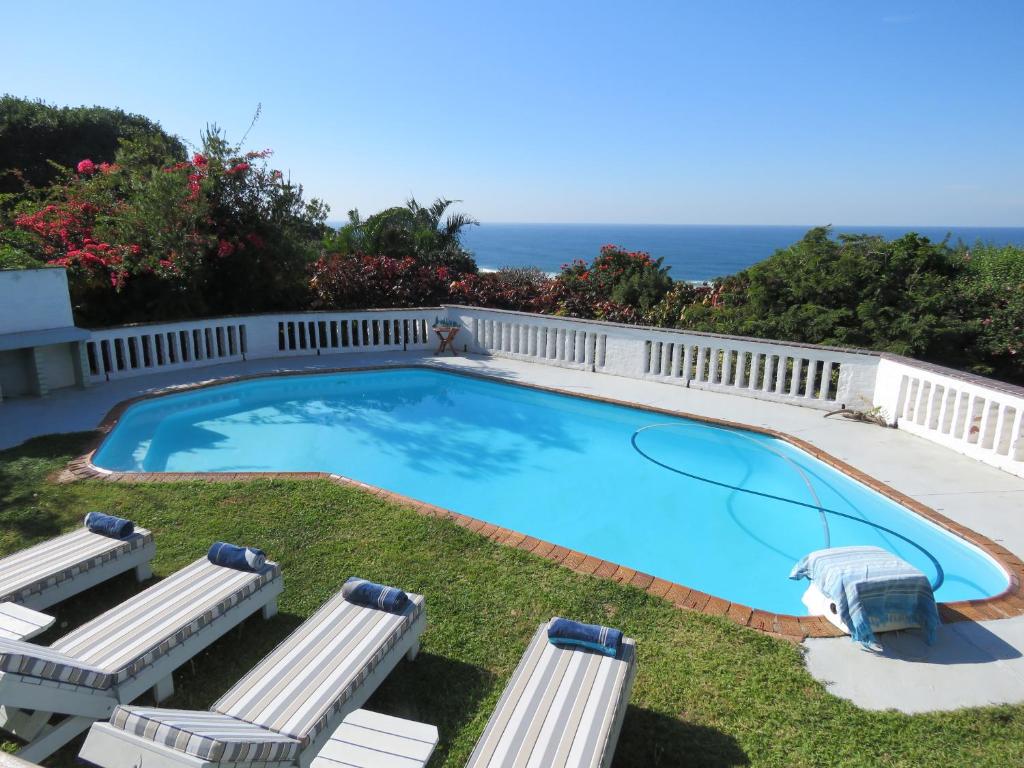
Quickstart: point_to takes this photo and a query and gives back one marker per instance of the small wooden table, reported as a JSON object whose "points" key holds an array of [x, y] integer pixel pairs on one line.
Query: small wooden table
{"points": [[447, 334], [20, 623], [371, 740]]}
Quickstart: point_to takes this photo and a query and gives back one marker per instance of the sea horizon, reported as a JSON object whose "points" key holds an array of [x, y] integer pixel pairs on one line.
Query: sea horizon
{"points": [[694, 252]]}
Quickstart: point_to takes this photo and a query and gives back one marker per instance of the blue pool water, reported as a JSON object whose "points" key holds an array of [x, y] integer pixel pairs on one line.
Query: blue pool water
{"points": [[725, 511]]}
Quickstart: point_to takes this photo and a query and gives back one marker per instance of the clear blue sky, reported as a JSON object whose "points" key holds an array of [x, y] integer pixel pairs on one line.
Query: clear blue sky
{"points": [[672, 112]]}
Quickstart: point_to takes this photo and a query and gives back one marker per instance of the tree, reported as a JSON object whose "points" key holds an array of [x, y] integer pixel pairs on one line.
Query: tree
{"points": [[424, 233], [854, 290], [991, 294], [37, 140], [220, 233]]}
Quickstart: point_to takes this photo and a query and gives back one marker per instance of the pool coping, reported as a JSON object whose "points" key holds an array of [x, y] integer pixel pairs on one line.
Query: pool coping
{"points": [[1007, 604]]}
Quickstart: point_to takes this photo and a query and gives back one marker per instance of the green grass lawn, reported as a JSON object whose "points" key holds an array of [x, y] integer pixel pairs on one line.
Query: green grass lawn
{"points": [[708, 693]]}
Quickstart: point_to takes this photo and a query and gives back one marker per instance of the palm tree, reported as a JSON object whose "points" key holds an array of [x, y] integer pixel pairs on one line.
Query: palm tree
{"points": [[424, 232]]}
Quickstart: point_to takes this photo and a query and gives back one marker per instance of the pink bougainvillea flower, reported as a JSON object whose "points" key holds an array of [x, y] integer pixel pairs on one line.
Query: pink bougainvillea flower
{"points": [[198, 160], [224, 248], [86, 167], [239, 168]]}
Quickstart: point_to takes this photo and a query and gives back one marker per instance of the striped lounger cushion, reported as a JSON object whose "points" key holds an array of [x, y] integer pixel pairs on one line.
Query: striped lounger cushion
{"points": [[207, 735], [289, 697], [30, 660], [558, 709], [128, 638], [46, 565], [306, 680]]}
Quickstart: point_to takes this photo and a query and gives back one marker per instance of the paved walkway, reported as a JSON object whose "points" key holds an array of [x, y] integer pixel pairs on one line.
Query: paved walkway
{"points": [[972, 664]]}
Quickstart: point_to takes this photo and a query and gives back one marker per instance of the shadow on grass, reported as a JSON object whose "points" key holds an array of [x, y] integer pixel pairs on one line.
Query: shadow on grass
{"points": [[20, 511], [437, 690], [650, 739], [87, 605]]}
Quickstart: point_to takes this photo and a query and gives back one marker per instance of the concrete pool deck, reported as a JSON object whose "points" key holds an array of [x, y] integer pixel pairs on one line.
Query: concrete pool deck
{"points": [[974, 663]]}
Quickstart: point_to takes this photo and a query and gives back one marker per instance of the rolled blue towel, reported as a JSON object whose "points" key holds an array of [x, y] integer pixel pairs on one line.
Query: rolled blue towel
{"points": [[363, 592], [239, 558], [108, 525], [604, 640]]}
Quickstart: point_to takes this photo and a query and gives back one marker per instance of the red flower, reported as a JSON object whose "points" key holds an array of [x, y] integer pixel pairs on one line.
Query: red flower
{"points": [[193, 185], [240, 168], [86, 167], [224, 248], [198, 160]]}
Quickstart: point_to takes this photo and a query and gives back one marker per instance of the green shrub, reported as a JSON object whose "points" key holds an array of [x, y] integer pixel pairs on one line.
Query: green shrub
{"points": [[221, 233], [991, 294], [37, 140]]}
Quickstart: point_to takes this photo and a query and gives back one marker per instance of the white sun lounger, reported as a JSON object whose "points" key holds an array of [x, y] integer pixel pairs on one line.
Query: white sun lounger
{"points": [[563, 707], [54, 570], [119, 655], [284, 711]]}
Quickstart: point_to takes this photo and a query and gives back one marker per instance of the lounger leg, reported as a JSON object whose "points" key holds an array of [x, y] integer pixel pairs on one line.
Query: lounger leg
{"points": [[164, 689], [270, 609], [413, 652], [55, 738], [143, 571], [24, 725]]}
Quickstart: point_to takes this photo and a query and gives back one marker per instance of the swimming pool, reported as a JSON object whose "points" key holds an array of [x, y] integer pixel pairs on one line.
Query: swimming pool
{"points": [[723, 510]]}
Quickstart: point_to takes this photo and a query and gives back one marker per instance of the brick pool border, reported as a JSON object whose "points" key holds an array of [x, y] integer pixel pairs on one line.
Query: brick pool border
{"points": [[795, 628]]}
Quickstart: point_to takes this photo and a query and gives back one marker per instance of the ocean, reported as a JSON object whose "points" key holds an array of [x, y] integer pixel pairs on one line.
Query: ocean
{"points": [[694, 252]]}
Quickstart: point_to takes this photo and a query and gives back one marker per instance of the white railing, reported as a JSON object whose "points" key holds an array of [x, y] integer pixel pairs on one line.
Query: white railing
{"points": [[310, 333], [819, 377], [968, 414], [974, 416], [136, 350], [539, 338]]}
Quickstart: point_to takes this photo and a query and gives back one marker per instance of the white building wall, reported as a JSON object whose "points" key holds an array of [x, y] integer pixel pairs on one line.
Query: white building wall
{"points": [[34, 300]]}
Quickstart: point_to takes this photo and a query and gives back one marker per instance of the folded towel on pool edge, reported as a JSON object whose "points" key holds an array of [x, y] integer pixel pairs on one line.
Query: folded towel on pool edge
{"points": [[604, 640], [871, 586], [239, 558], [108, 525], [363, 592]]}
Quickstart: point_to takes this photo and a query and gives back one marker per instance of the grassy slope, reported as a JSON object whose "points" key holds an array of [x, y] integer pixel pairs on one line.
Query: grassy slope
{"points": [[708, 692]]}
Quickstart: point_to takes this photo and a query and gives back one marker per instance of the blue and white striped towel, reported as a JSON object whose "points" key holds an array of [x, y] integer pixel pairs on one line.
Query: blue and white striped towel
{"points": [[373, 595], [871, 586]]}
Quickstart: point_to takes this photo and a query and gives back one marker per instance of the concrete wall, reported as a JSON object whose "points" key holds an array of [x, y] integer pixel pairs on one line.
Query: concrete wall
{"points": [[17, 377], [55, 365], [34, 300]]}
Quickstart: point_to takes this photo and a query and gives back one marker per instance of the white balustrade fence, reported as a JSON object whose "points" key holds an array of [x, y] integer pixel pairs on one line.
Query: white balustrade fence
{"points": [[968, 414], [815, 376], [974, 416], [304, 334], [136, 350]]}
